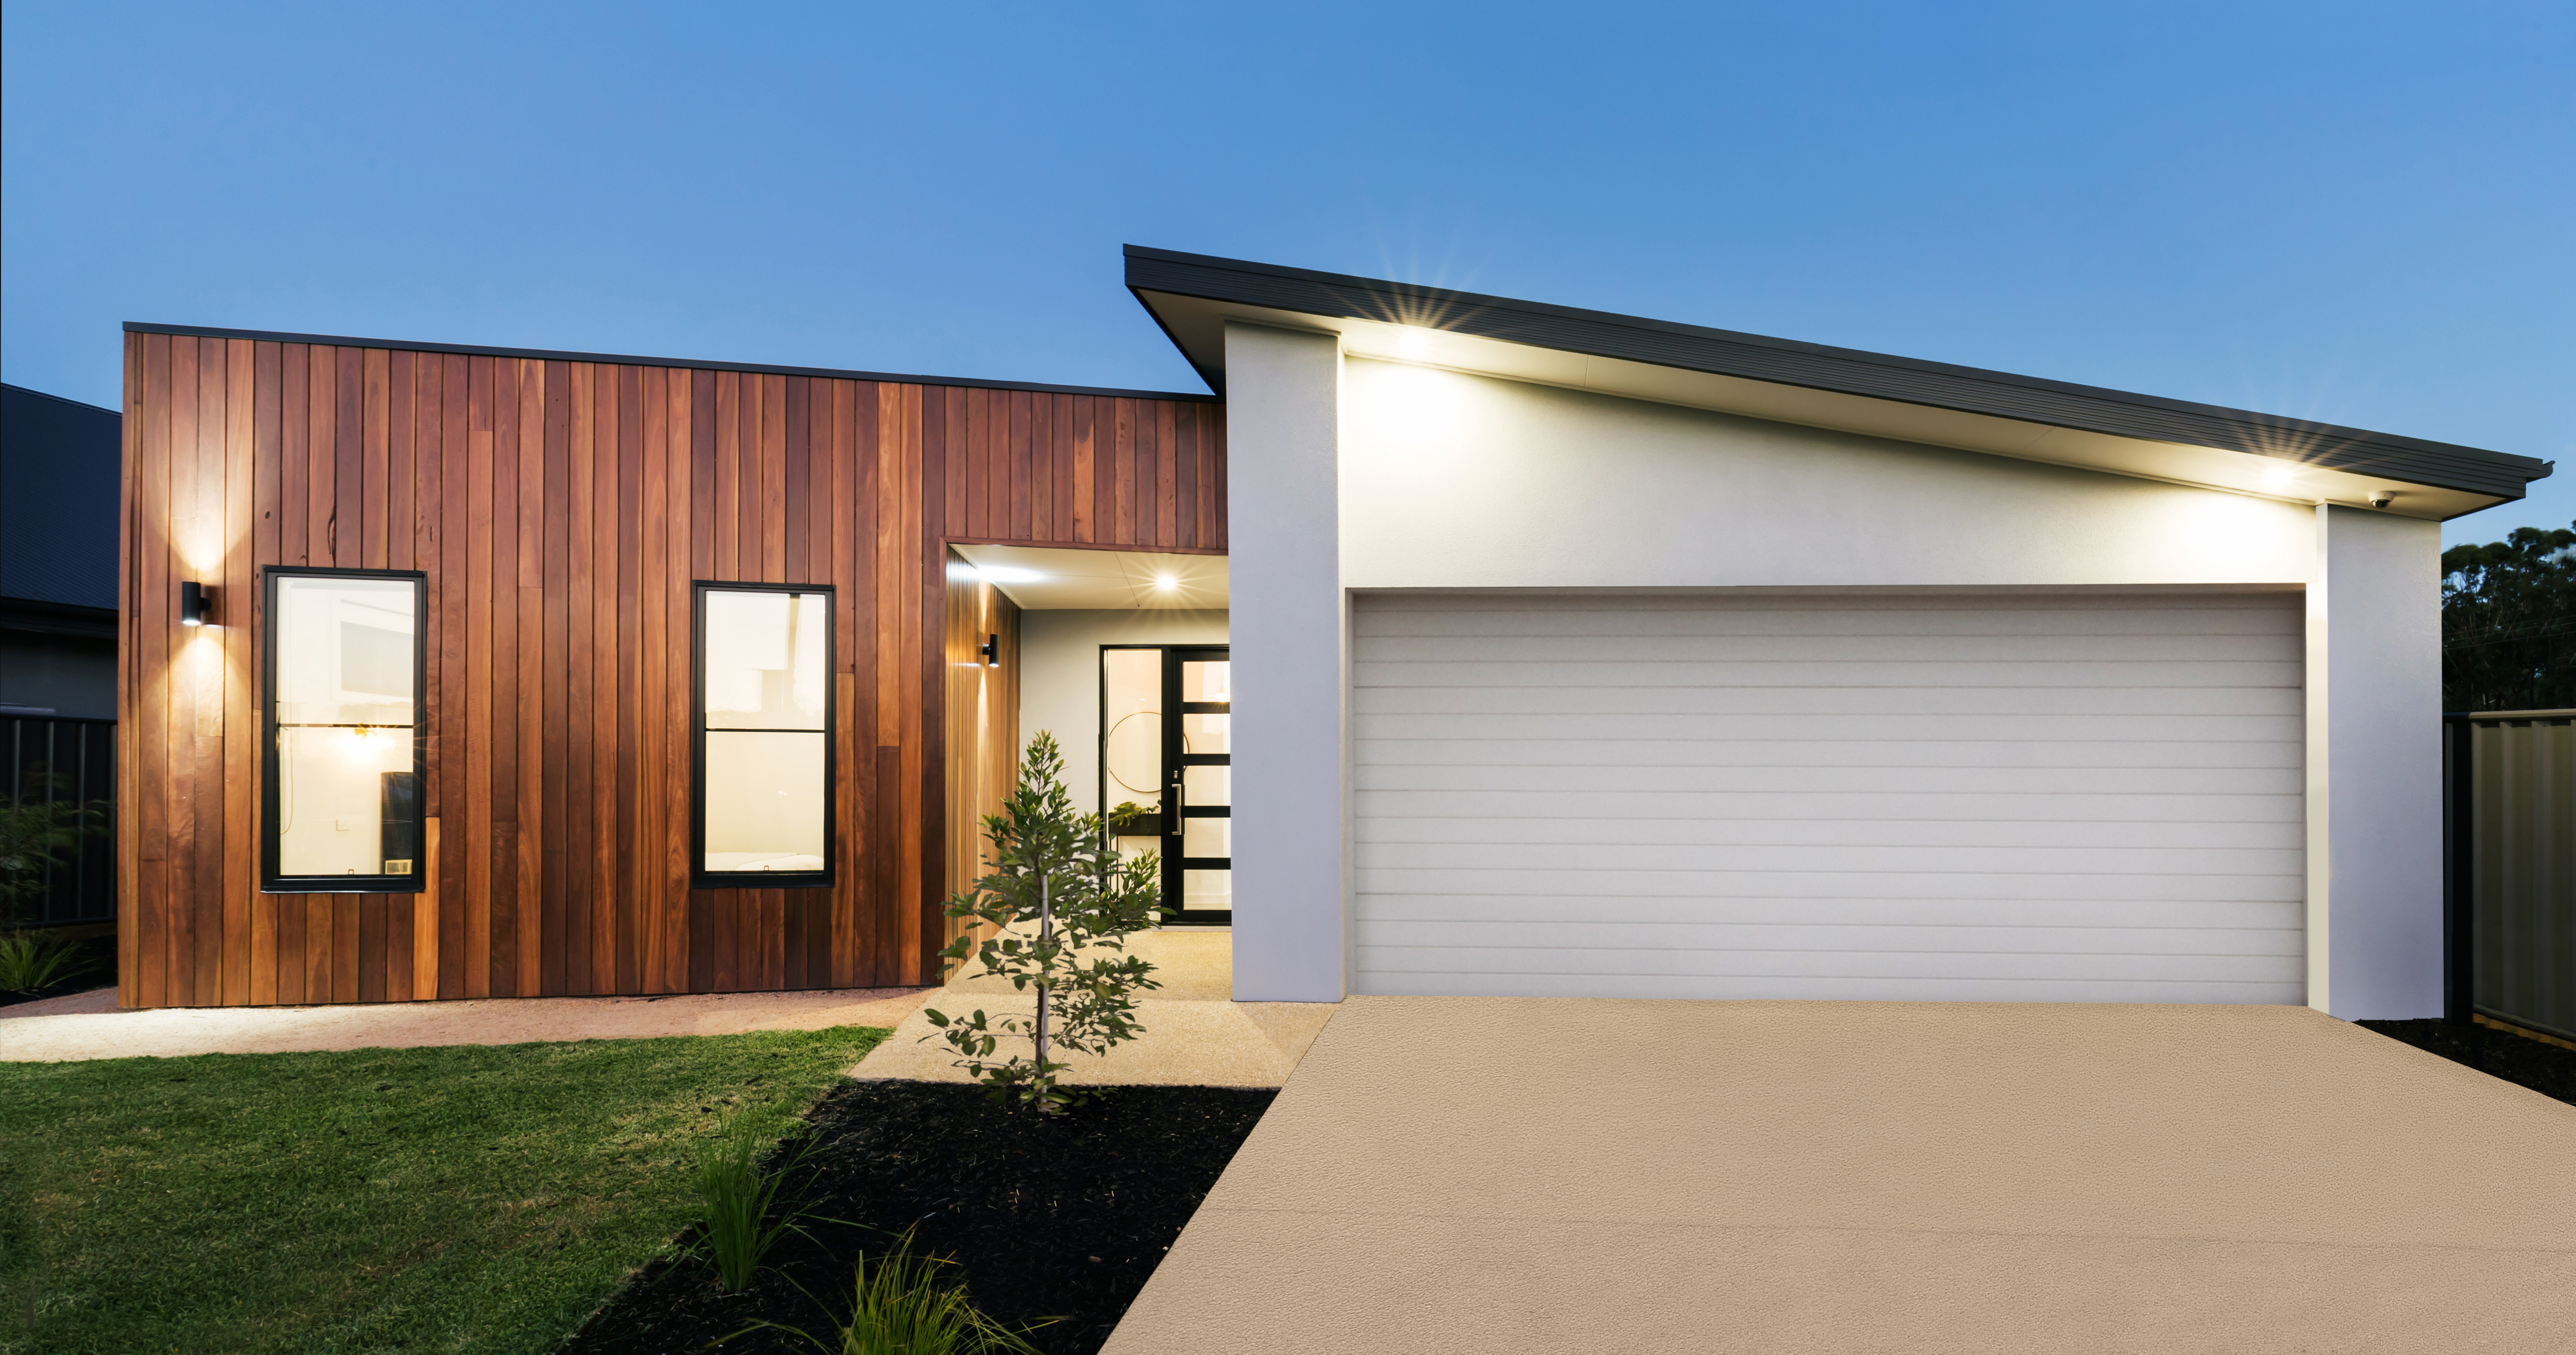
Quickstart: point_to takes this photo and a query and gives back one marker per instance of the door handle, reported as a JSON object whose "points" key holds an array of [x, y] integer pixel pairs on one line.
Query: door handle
{"points": [[1173, 822]]}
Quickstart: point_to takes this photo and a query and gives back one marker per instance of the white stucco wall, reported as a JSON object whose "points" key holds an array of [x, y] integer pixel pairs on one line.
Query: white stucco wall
{"points": [[2375, 766], [1447, 480], [1291, 641], [1457, 481], [1060, 675]]}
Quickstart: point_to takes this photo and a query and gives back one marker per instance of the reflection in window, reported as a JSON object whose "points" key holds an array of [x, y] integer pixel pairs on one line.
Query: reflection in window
{"points": [[344, 662], [765, 735]]}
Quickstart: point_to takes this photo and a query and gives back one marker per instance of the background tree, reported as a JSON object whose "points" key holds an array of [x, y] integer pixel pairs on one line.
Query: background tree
{"points": [[2509, 623], [1061, 900]]}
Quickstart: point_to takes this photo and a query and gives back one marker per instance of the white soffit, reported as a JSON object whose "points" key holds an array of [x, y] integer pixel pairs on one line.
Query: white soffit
{"points": [[2279, 476], [1045, 579]]}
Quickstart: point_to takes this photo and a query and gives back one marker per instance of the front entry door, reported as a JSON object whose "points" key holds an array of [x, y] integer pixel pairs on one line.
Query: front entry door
{"points": [[1166, 770], [1198, 781]]}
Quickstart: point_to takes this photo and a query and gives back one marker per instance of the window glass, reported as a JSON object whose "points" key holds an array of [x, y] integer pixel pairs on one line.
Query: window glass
{"points": [[764, 750], [344, 660]]}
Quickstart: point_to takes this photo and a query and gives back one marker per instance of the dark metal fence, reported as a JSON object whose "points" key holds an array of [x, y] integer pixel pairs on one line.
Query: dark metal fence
{"points": [[2510, 848], [58, 760]]}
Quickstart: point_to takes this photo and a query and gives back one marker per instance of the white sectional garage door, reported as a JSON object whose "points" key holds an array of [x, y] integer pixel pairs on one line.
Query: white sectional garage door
{"points": [[2027, 798]]}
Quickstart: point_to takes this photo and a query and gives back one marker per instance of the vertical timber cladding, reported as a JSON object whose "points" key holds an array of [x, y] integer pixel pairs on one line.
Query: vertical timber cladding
{"points": [[982, 719], [561, 510]]}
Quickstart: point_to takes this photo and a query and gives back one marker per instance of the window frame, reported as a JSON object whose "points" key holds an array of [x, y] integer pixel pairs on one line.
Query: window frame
{"points": [[271, 879], [699, 876]]}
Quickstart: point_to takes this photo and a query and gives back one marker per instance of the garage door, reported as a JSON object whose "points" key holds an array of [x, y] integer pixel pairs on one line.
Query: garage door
{"points": [[2029, 798]]}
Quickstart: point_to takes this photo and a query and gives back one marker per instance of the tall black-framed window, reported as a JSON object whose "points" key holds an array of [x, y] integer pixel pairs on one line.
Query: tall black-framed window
{"points": [[345, 664], [763, 785]]}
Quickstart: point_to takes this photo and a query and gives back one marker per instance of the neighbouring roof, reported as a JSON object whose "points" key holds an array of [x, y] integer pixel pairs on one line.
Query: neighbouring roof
{"points": [[1192, 296], [629, 360], [60, 462]]}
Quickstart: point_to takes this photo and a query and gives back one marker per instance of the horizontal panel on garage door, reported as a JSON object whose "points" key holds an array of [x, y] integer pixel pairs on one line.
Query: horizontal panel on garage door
{"points": [[2034, 798]]}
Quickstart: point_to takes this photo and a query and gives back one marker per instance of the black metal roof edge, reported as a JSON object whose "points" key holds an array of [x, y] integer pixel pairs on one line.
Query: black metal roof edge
{"points": [[46, 617], [1816, 366], [629, 360], [62, 399]]}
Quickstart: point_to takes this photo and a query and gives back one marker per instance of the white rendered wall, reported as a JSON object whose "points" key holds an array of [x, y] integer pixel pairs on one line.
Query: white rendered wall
{"points": [[1290, 643], [1060, 675], [2375, 767], [1457, 481]]}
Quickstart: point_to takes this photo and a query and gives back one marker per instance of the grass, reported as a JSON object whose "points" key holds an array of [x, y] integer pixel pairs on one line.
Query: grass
{"points": [[465, 1199]]}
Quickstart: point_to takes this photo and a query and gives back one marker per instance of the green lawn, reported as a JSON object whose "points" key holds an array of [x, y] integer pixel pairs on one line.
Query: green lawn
{"points": [[457, 1199]]}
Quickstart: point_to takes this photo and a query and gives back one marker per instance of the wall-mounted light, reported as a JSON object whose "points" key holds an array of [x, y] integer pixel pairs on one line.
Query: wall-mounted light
{"points": [[991, 650], [196, 604]]}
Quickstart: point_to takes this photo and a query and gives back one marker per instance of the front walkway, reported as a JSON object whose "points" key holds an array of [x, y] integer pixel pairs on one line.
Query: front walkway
{"points": [[1571, 1175], [89, 1026], [1195, 1034]]}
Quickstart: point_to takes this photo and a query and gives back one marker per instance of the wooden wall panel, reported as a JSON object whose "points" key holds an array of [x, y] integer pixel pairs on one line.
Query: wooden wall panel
{"points": [[981, 719], [560, 510]]}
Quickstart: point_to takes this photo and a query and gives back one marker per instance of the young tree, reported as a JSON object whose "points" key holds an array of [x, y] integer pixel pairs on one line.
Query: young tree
{"points": [[2509, 623], [1062, 901]]}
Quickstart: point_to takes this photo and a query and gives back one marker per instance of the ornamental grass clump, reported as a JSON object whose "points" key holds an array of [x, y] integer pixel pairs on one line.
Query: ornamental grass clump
{"points": [[740, 1195], [905, 1305], [1059, 900]]}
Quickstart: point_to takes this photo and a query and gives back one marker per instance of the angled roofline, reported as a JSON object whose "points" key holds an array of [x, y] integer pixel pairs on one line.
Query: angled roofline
{"points": [[1844, 371], [62, 399], [629, 360]]}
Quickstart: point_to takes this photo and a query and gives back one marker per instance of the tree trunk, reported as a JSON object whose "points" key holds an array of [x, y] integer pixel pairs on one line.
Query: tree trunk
{"points": [[1046, 933]]}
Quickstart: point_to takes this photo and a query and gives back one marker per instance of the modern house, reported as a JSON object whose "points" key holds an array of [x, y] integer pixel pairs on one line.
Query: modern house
{"points": [[1578, 653]]}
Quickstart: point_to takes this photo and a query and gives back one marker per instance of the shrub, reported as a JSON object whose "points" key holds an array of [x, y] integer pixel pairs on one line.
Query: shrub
{"points": [[1056, 890], [33, 833], [30, 962]]}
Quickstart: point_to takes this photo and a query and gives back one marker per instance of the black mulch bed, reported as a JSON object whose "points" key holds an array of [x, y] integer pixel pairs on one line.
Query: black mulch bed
{"points": [[1047, 1218], [2544, 1068]]}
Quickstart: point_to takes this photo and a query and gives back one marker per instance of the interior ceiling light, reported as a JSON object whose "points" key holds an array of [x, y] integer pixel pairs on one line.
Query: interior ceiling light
{"points": [[1166, 581]]}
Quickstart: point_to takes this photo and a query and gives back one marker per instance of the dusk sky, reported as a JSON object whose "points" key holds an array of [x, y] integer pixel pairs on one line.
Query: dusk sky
{"points": [[2361, 213]]}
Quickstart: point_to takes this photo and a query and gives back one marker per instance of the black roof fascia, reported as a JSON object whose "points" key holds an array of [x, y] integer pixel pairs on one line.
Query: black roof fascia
{"points": [[629, 360], [1846, 371]]}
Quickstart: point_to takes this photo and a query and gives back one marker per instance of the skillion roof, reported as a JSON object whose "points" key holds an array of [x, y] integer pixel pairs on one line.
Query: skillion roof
{"points": [[1192, 296]]}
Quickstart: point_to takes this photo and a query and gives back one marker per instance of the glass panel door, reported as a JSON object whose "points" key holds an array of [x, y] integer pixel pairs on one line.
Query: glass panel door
{"points": [[1198, 748], [1166, 770]]}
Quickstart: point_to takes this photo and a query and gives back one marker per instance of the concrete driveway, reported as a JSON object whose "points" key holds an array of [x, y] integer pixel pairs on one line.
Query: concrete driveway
{"points": [[1445, 1174]]}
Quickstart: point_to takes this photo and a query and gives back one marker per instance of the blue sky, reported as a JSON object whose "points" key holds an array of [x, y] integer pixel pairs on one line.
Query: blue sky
{"points": [[2358, 212]]}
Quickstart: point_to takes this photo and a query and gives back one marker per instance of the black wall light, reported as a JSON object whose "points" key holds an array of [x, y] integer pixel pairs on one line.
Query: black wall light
{"points": [[991, 650], [196, 604]]}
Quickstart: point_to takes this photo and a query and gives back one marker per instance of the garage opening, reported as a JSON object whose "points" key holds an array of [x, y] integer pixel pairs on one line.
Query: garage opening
{"points": [[2079, 797]]}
